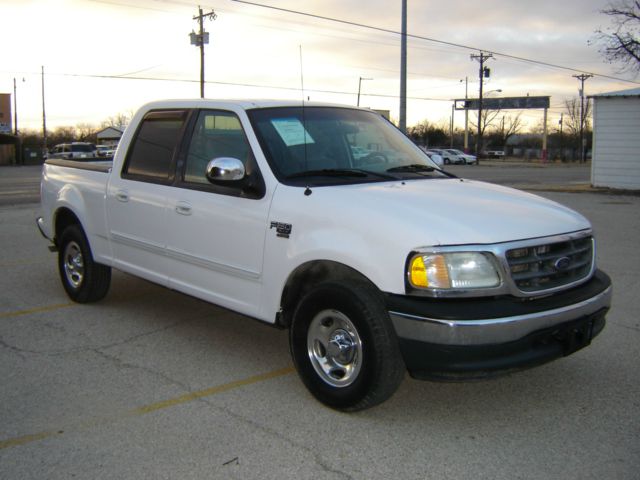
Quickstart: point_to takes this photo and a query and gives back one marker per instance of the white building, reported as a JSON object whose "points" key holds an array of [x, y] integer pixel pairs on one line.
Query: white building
{"points": [[616, 140], [109, 135]]}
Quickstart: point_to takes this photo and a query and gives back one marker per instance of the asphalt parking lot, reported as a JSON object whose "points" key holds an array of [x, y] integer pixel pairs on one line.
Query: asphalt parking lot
{"points": [[153, 384]]}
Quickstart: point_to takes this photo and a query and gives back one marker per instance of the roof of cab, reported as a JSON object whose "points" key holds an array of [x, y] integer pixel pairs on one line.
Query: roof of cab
{"points": [[236, 104]]}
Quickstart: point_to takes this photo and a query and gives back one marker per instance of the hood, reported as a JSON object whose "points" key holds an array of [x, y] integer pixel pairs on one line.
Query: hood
{"points": [[446, 211]]}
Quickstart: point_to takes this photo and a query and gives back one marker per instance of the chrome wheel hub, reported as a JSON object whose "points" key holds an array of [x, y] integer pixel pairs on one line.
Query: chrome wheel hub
{"points": [[334, 348], [73, 264]]}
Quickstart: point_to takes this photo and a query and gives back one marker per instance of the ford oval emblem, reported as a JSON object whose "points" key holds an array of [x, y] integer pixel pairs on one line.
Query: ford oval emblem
{"points": [[562, 264]]}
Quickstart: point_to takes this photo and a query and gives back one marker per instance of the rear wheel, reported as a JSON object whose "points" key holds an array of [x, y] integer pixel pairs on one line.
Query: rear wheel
{"points": [[83, 279], [344, 346]]}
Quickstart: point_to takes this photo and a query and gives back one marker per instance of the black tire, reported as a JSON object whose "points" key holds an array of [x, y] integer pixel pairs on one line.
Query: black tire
{"points": [[447, 161], [344, 346], [83, 279]]}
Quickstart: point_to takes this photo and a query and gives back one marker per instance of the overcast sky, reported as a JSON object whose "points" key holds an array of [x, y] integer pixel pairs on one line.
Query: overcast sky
{"points": [[103, 57]]}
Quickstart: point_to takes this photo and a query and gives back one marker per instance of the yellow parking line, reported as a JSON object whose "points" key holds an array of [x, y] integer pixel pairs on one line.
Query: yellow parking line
{"points": [[21, 263], [153, 407], [210, 391], [14, 442], [46, 308]]}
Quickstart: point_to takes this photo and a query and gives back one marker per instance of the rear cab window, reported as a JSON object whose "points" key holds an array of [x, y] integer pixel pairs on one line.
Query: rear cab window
{"points": [[152, 154]]}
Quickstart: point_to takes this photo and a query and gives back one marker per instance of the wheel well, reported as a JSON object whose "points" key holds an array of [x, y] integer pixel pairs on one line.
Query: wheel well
{"points": [[305, 277], [64, 218]]}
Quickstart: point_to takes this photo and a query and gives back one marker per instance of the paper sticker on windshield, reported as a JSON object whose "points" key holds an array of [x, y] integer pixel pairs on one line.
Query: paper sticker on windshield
{"points": [[292, 131]]}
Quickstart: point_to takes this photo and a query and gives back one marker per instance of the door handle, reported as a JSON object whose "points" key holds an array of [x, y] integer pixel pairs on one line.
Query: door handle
{"points": [[122, 196], [184, 208]]}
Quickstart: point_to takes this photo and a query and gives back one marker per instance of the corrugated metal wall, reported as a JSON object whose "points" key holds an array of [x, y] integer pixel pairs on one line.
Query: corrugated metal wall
{"points": [[616, 138]]}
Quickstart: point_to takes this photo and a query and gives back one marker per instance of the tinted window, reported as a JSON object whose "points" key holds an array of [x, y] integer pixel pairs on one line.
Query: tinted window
{"points": [[216, 134], [82, 148], [152, 150]]}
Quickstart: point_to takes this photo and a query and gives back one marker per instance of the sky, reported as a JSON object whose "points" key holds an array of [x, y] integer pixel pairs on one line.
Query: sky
{"points": [[106, 57]]}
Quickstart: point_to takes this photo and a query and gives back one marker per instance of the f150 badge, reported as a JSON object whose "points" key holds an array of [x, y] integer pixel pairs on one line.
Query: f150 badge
{"points": [[282, 229]]}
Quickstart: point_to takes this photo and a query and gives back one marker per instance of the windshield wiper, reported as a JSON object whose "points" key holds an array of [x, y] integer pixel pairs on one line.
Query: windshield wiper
{"points": [[328, 172], [419, 168], [414, 167], [339, 172]]}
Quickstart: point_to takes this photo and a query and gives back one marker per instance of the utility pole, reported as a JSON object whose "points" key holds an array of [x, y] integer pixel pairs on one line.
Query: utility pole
{"points": [[44, 115], [403, 70], [466, 115], [583, 77], [561, 122], [360, 86], [482, 73], [15, 108], [199, 40], [453, 109]]}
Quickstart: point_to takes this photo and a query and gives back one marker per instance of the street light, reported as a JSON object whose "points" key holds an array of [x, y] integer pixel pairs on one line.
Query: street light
{"points": [[15, 107], [360, 87]]}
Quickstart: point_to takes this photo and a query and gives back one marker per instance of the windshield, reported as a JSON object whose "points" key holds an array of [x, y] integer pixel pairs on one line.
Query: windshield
{"points": [[82, 148], [328, 145]]}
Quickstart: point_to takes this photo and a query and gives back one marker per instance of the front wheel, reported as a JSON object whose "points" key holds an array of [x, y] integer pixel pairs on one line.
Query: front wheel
{"points": [[344, 346], [83, 279]]}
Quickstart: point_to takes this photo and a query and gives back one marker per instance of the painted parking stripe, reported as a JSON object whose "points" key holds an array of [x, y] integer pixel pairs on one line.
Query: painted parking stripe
{"points": [[46, 308], [153, 407]]}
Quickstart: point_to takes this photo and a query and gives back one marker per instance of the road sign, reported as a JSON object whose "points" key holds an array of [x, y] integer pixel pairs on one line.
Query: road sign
{"points": [[503, 103]]}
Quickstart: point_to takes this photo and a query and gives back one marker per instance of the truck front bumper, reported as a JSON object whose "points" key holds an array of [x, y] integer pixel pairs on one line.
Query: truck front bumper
{"points": [[483, 337]]}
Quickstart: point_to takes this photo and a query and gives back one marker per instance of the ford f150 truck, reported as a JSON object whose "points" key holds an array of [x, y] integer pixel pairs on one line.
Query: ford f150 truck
{"points": [[328, 221]]}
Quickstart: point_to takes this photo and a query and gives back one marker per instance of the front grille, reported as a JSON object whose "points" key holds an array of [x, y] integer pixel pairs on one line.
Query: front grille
{"points": [[547, 266]]}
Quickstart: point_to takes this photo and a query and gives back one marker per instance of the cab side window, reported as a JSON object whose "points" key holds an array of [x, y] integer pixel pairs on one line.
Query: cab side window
{"points": [[153, 149], [216, 134]]}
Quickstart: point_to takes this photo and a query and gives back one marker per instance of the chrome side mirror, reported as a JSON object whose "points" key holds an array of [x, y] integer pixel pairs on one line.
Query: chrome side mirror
{"points": [[225, 169]]}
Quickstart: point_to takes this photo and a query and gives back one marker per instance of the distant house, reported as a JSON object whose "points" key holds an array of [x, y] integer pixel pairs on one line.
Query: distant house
{"points": [[616, 140], [109, 135]]}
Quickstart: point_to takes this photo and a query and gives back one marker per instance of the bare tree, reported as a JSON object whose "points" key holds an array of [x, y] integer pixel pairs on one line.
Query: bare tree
{"points": [[63, 134], [573, 118], [429, 134], [507, 127], [86, 132], [620, 43], [120, 120], [488, 117]]}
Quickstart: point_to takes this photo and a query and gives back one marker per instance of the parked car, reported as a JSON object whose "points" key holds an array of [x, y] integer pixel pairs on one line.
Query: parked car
{"points": [[494, 154], [435, 157], [73, 151], [459, 157], [443, 155], [376, 264], [106, 151]]}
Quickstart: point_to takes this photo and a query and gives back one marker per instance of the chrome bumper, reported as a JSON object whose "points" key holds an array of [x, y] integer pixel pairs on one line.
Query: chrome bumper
{"points": [[495, 330]]}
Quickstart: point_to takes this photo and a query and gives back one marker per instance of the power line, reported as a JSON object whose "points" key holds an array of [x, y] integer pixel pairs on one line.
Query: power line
{"points": [[236, 84], [434, 40]]}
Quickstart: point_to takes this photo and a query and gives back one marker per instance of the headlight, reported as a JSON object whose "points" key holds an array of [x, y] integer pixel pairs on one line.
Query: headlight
{"points": [[452, 270]]}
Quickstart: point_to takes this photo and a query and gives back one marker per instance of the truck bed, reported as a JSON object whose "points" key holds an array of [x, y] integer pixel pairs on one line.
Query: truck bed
{"points": [[93, 165]]}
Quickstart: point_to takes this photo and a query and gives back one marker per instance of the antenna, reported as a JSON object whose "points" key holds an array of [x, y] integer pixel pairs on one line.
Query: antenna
{"points": [[304, 121]]}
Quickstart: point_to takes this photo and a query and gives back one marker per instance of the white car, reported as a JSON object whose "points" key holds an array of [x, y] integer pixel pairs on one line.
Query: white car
{"points": [[73, 151], [458, 156], [105, 150], [435, 157]]}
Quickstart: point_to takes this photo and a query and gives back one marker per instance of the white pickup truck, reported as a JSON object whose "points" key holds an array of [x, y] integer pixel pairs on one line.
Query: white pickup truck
{"points": [[326, 220]]}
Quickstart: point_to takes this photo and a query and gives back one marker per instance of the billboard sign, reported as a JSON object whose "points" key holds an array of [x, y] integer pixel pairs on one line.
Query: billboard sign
{"points": [[5, 113], [503, 103]]}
